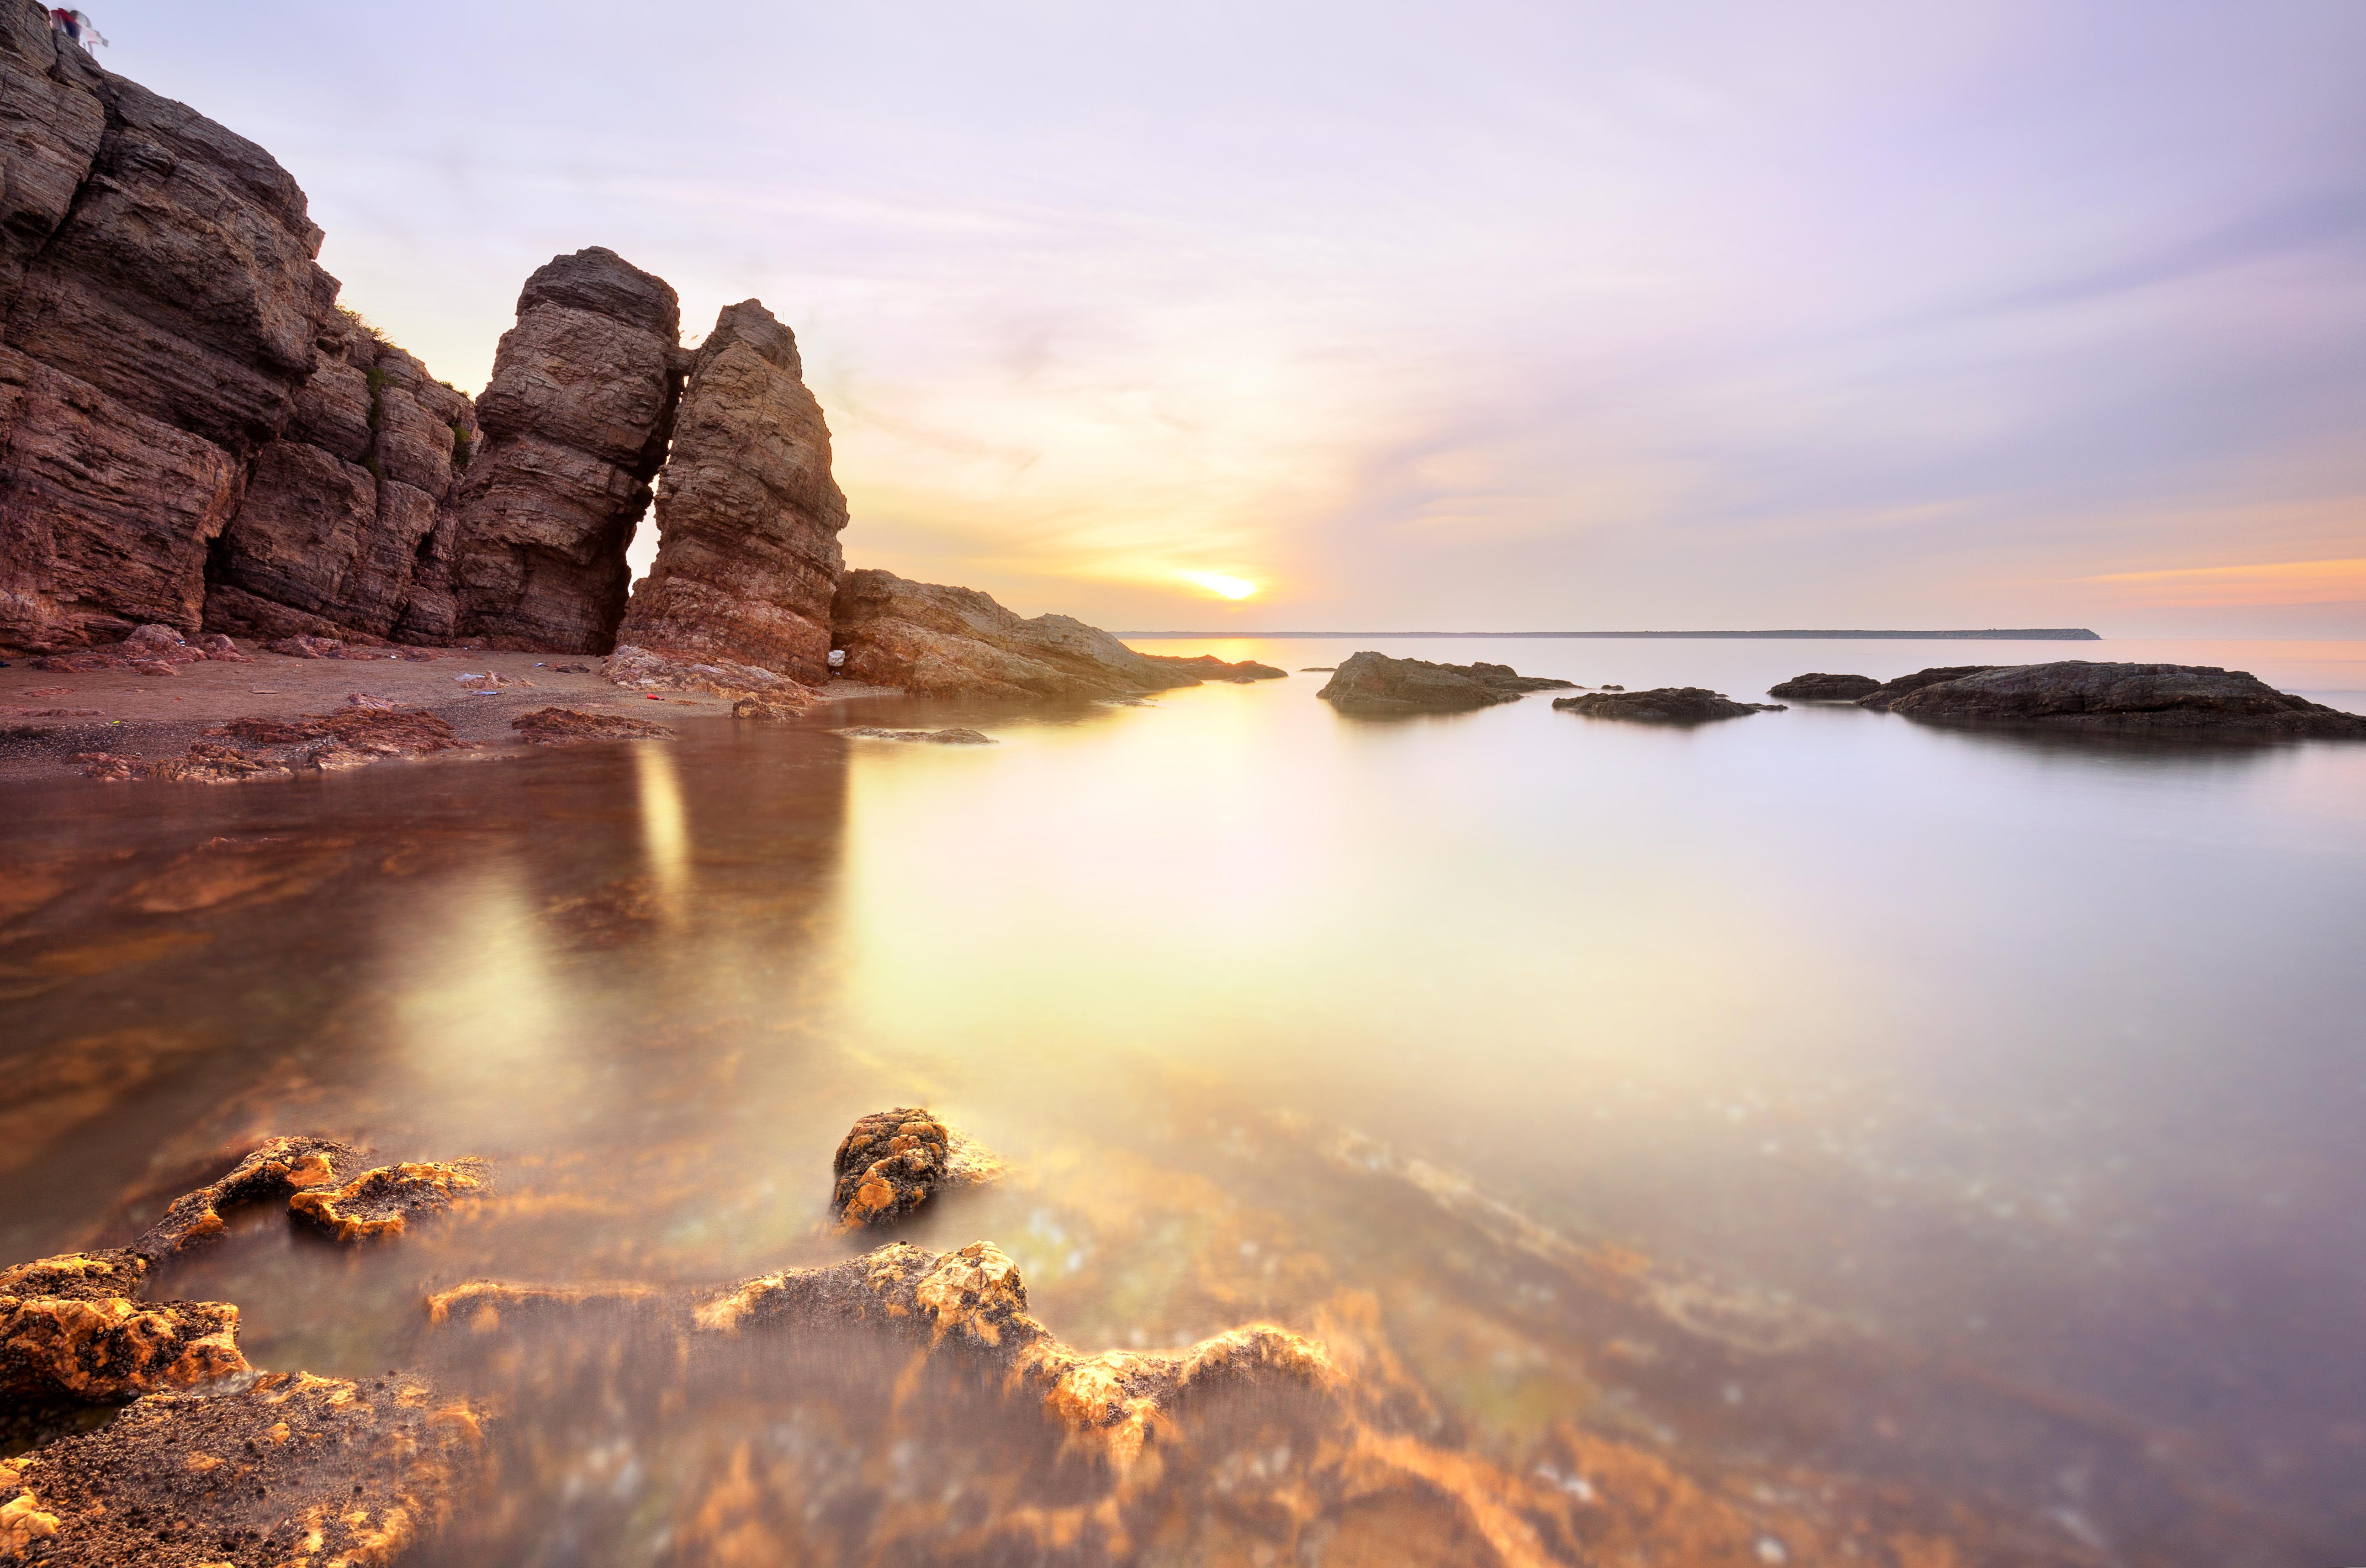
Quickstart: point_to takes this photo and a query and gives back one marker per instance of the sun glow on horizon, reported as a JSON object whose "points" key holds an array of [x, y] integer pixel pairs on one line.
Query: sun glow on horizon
{"points": [[1220, 584]]}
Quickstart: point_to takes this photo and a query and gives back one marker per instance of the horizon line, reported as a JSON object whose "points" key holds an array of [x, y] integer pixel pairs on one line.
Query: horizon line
{"points": [[1990, 634]]}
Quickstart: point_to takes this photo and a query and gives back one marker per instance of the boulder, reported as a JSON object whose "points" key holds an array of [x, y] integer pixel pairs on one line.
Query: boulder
{"points": [[934, 641], [1663, 705], [749, 516], [2074, 694], [1825, 687], [89, 1349], [563, 726], [1371, 684], [379, 1205], [575, 423], [1881, 698], [1208, 666], [891, 1162], [645, 671]]}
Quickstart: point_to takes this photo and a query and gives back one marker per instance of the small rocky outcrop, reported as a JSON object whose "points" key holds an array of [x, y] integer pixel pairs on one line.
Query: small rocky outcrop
{"points": [[1374, 685], [276, 1168], [576, 420], [72, 1331], [934, 641], [565, 726], [891, 1162], [2177, 700], [922, 737], [1881, 697], [1663, 705], [1208, 666], [1822, 687], [290, 1469], [379, 1205], [747, 554], [645, 671]]}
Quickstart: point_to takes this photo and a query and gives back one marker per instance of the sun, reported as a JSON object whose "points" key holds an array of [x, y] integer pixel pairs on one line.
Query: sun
{"points": [[1220, 584]]}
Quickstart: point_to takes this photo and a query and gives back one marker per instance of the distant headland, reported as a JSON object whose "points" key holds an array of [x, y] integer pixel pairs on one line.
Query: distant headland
{"points": [[1991, 634]]}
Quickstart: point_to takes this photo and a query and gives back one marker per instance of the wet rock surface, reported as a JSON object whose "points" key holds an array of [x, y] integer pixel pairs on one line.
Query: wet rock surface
{"points": [[70, 1330], [891, 1162], [290, 1469], [642, 670], [1663, 705], [923, 737], [565, 726], [575, 421], [1820, 688], [380, 1205], [1881, 697], [747, 554], [354, 736], [934, 641], [277, 1167], [1374, 684], [2174, 700], [1208, 666]]}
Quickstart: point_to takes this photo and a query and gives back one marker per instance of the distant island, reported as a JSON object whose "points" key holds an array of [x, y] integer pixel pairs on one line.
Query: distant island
{"points": [[1992, 634]]}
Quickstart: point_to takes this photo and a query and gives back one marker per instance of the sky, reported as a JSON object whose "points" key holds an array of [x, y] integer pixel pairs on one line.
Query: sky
{"points": [[1473, 317]]}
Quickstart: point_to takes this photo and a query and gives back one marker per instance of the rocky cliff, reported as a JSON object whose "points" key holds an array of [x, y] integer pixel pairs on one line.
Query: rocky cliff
{"points": [[747, 521]]}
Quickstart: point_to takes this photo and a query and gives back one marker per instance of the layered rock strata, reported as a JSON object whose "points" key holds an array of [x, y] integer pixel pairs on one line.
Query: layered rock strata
{"points": [[1662, 705], [1822, 688], [934, 641], [2074, 694], [747, 521], [1374, 685], [576, 420]]}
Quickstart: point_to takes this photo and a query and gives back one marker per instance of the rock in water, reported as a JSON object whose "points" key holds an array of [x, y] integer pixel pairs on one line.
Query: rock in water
{"points": [[2074, 694], [934, 641], [891, 1162], [1825, 687], [381, 1203], [576, 420], [747, 554], [925, 737], [1208, 666], [1374, 684], [563, 726], [1881, 698], [71, 1329], [1664, 705]]}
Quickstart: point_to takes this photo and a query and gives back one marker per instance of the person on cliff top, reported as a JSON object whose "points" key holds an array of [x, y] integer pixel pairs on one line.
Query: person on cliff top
{"points": [[77, 26]]}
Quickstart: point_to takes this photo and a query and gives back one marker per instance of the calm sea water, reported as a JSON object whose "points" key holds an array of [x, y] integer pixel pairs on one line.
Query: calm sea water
{"points": [[2028, 1066]]}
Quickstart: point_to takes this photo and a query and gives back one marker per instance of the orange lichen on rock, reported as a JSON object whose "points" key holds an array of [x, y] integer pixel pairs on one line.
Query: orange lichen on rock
{"points": [[891, 1162], [380, 1202], [70, 1330], [292, 1469], [276, 1168]]}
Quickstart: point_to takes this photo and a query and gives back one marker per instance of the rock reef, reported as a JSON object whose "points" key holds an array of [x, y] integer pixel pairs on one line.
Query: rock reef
{"points": [[1662, 705], [932, 641], [1819, 688], [1208, 666], [1881, 697], [1373, 684], [2176, 699]]}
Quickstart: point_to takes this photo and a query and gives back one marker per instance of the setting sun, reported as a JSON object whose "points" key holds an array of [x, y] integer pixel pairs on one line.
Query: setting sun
{"points": [[1220, 586]]}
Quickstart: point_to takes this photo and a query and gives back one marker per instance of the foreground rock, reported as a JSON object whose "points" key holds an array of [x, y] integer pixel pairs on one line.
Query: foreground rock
{"points": [[2074, 694], [934, 641], [891, 1162], [380, 1205], [1664, 705], [72, 1331], [1374, 684], [642, 670], [292, 1469], [1208, 666], [566, 726], [576, 420], [747, 554], [1881, 697], [1825, 687], [921, 737]]}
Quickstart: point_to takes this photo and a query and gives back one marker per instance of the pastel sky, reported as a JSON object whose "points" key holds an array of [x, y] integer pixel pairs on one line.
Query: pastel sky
{"points": [[1467, 316]]}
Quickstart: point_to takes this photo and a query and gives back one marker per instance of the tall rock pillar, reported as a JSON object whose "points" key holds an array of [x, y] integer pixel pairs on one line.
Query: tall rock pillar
{"points": [[575, 420], [748, 514]]}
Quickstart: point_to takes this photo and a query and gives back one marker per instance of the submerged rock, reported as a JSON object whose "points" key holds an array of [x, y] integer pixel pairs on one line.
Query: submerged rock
{"points": [[1822, 687], [563, 726], [1208, 666], [291, 1468], [1664, 705], [1881, 698], [925, 737], [381, 1203], [2074, 694], [934, 640], [747, 521], [891, 1162], [1374, 684]]}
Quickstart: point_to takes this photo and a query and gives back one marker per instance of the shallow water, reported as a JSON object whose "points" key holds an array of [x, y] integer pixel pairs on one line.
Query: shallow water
{"points": [[1808, 1100]]}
